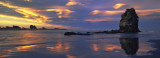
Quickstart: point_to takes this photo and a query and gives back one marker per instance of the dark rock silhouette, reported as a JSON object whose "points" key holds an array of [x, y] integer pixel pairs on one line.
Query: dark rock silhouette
{"points": [[78, 33], [7, 27], [24, 28], [129, 21], [90, 33], [33, 27], [130, 45], [44, 28], [16, 27], [112, 31], [69, 33]]}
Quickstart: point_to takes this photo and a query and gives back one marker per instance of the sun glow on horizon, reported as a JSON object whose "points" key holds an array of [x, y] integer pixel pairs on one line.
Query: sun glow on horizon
{"points": [[31, 17], [12, 20]]}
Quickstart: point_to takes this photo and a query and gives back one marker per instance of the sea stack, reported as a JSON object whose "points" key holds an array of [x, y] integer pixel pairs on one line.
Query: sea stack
{"points": [[129, 21]]}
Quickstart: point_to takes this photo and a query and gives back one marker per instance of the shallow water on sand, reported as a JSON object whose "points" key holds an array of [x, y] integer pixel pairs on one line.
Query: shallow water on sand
{"points": [[53, 44]]}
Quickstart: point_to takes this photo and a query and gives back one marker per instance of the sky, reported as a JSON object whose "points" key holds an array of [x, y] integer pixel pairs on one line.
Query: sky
{"points": [[73, 14]]}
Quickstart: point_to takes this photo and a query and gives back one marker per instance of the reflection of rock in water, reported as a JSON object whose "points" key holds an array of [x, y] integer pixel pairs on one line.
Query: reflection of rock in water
{"points": [[130, 45]]}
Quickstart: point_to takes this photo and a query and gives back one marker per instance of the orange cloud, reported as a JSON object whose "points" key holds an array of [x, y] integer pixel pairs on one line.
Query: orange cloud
{"points": [[28, 0], [31, 17], [106, 13], [73, 2], [57, 7], [32, 14], [100, 20], [5, 17], [139, 12], [95, 12], [119, 5], [12, 20], [27, 12], [59, 26], [147, 12], [61, 12], [112, 12]]}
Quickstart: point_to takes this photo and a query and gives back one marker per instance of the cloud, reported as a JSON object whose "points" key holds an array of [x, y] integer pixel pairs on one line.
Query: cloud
{"points": [[118, 5], [30, 17], [95, 12], [143, 14], [28, 0], [12, 20], [27, 12], [61, 12], [73, 2], [57, 7], [148, 12], [100, 20], [106, 13], [115, 12]]}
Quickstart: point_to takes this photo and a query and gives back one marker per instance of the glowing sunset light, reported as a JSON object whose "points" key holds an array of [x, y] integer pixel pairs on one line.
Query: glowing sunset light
{"points": [[28, 12], [69, 56], [95, 47], [115, 12], [119, 5], [28, 0], [31, 16], [59, 47], [11, 20], [112, 47], [95, 12], [61, 12], [25, 48], [73, 2], [107, 13], [112, 12]]}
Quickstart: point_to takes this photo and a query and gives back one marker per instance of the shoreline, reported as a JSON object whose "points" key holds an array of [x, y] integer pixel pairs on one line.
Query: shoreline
{"points": [[33, 29]]}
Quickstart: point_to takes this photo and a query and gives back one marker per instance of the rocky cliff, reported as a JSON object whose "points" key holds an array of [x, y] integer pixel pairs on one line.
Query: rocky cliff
{"points": [[129, 21]]}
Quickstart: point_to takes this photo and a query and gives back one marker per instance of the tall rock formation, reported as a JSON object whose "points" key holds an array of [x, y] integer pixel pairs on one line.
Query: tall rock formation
{"points": [[129, 21]]}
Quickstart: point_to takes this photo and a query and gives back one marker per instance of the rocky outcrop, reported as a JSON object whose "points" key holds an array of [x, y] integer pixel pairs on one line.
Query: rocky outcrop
{"points": [[129, 21], [78, 33], [90, 33]]}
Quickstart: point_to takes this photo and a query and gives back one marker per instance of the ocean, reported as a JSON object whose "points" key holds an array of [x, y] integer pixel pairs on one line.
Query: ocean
{"points": [[54, 44]]}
